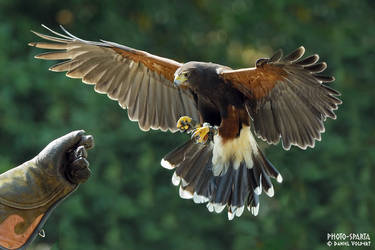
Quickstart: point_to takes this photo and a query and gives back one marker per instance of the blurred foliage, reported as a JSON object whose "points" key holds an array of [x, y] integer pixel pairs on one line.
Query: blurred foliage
{"points": [[129, 203]]}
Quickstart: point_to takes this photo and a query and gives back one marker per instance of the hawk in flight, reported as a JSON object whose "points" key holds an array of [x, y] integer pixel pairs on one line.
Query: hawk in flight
{"points": [[281, 98]]}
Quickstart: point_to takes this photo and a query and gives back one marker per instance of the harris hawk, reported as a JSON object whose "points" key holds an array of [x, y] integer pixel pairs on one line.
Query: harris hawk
{"points": [[281, 98]]}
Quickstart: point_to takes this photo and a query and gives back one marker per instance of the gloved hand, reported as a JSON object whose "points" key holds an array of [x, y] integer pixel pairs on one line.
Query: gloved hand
{"points": [[29, 192]]}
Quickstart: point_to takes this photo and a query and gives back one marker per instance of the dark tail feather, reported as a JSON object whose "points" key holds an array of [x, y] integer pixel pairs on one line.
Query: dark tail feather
{"points": [[234, 189], [176, 156]]}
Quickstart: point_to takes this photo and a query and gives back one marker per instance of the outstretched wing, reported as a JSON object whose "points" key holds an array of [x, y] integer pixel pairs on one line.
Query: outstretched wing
{"points": [[139, 81], [286, 97]]}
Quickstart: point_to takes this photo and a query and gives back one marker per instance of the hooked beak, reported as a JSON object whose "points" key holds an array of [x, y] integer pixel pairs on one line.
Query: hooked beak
{"points": [[179, 80]]}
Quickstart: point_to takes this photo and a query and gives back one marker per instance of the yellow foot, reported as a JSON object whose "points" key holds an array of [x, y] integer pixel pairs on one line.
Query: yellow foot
{"points": [[201, 135], [185, 123]]}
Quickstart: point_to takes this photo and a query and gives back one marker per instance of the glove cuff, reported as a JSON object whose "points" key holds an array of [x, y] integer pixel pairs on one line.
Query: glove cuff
{"points": [[27, 196]]}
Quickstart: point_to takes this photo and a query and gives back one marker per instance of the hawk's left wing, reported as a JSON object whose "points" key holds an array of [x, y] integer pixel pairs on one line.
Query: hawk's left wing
{"points": [[286, 97]]}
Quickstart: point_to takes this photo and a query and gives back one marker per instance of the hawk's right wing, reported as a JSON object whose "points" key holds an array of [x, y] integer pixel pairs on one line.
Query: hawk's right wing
{"points": [[139, 81]]}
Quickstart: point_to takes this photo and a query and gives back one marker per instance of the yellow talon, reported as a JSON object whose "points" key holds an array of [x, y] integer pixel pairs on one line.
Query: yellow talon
{"points": [[184, 123], [200, 135]]}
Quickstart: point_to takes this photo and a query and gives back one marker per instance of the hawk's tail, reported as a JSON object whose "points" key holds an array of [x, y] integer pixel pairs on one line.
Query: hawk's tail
{"points": [[238, 184]]}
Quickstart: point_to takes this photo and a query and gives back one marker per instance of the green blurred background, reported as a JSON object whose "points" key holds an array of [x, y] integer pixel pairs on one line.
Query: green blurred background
{"points": [[129, 202]]}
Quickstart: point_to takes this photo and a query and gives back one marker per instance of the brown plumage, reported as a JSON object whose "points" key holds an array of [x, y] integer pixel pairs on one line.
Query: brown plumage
{"points": [[282, 97], [255, 83]]}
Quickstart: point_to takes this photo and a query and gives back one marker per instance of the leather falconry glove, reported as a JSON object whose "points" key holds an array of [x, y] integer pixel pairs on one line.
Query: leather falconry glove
{"points": [[30, 192]]}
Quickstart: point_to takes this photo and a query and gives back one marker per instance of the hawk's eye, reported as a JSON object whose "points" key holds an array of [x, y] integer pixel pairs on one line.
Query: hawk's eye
{"points": [[185, 74]]}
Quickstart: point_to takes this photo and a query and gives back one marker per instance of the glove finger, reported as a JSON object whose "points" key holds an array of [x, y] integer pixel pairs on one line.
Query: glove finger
{"points": [[70, 140], [80, 163], [87, 141], [80, 152], [80, 175], [73, 155], [79, 171]]}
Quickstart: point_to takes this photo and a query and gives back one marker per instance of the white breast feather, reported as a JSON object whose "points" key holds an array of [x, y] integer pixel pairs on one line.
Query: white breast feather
{"points": [[236, 150]]}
